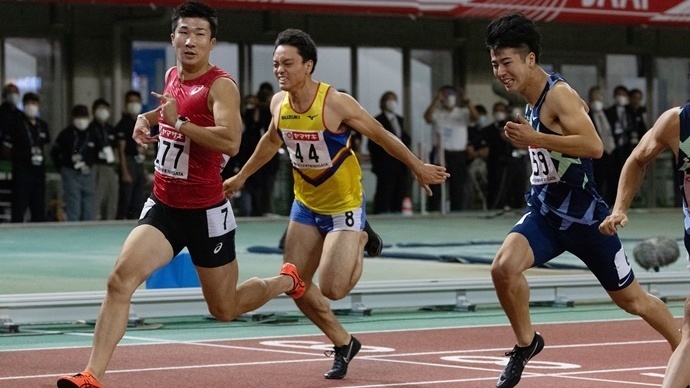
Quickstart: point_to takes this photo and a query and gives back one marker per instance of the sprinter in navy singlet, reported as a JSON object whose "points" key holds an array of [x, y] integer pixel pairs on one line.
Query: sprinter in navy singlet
{"points": [[671, 131], [564, 209]]}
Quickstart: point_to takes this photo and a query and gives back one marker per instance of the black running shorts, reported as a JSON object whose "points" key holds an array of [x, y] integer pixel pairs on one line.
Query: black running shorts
{"points": [[208, 234]]}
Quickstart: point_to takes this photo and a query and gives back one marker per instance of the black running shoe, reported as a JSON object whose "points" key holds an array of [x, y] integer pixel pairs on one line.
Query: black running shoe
{"points": [[343, 355], [518, 359], [374, 243]]}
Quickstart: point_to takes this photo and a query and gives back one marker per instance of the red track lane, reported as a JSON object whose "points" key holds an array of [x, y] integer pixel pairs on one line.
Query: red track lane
{"points": [[591, 355]]}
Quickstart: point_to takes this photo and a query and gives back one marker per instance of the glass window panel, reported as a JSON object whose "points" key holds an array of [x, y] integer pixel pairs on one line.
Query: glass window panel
{"points": [[333, 67], [429, 70], [581, 78], [379, 70], [34, 66], [262, 67]]}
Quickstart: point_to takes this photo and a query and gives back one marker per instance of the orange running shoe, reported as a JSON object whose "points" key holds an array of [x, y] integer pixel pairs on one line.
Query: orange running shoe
{"points": [[80, 380], [290, 270]]}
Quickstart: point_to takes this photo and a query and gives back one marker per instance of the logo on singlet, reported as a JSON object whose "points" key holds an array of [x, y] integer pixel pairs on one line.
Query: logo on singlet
{"points": [[312, 117], [197, 90], [685, 165], [289, 117]]}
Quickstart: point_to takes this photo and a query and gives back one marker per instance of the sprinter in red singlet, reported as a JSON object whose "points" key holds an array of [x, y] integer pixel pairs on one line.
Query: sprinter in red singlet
{"points": [[199, 121]]}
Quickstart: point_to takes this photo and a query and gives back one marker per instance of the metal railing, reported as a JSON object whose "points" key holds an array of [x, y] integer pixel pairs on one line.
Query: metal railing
{"points": [[461, 294]]}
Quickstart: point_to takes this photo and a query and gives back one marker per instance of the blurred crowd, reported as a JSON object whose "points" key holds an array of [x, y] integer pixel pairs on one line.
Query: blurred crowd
{"points": [[105, 175]]}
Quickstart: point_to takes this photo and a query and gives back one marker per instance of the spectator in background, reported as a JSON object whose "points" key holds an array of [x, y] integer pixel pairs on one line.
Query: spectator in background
{"points": [[482, 118], [265, 93], [10, 115], [266, 176], [242, 200], [132, 173], [23, 144], [256, 196], [392, 175], [639, 110], [476, 162], [605, 169], [105, 172], [74, 153], [450, 114], [506, 164], [625, 132]]}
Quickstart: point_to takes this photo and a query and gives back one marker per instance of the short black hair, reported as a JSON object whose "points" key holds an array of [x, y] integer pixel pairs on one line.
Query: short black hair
{"points": [[306, 48], [131, 93], [99, 102], [6, 89], [620, 88], [196, 9], [33, 97], [514, 30], [80, 111], [385, 97]]}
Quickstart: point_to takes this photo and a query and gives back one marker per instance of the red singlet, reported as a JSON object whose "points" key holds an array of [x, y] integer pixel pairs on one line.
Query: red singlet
{"points": [[187, 175]]}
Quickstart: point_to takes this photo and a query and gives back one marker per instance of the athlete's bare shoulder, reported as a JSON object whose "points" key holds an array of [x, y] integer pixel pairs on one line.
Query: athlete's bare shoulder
{"points": [[276, 100]]}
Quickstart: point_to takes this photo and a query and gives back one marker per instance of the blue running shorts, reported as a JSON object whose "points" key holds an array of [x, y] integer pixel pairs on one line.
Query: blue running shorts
{"points": [[603, 255], [350, 220]]}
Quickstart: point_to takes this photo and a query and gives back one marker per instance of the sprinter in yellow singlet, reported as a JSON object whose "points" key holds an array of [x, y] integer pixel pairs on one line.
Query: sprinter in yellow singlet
{"points": [[328, 214]]}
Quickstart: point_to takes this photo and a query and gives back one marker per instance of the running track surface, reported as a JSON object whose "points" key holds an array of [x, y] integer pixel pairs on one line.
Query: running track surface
{"points": [[624, 353]]}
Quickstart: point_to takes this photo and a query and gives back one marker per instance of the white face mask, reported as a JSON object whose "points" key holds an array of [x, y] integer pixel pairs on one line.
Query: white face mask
{"points": [[31, 110], [249, 106], [13, 98], [81, 123], [622, 100], [391, 105], [481, 121], [102, 114], [500, 116], [597, 106], [450, 101], [134, 108]]}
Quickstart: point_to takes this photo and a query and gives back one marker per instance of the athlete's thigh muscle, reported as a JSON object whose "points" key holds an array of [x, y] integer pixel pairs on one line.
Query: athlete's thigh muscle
{"points": [[342, 253]]}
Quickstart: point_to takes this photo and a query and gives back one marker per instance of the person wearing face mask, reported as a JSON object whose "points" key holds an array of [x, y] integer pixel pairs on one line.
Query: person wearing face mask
{"points": [[74, 154], [255, 198], [23, 144], [10, 115], [450, 115], [107, 185], [605, 170], [392, 175], [506, 165], [132, 193], [625, 132], [639, 110], [262, 201], [475, 190]]}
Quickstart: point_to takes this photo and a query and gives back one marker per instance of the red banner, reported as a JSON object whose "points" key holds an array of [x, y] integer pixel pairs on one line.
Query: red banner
{"points": [[633, 12]]}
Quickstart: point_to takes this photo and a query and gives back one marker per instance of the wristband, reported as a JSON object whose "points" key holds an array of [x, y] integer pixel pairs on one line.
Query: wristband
{"points": [[143, 117], [181, 120]]}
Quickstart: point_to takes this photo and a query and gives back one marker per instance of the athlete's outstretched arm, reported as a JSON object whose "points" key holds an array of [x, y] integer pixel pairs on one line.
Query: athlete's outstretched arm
{"points": [[653, 143], [224, 102], [268, 146], [356, 117]]}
